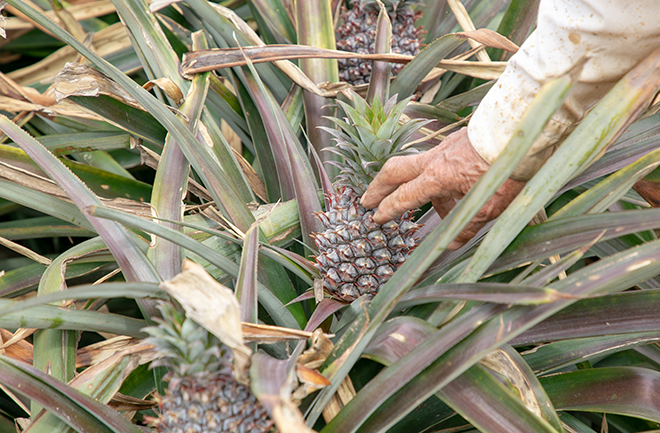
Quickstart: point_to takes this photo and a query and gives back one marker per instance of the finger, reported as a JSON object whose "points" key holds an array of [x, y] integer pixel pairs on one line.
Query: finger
{"points": [[491, 210], [443, 206], [396, 171], [408, 196]]}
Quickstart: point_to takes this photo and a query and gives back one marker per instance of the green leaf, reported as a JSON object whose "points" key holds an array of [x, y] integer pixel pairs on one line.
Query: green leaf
{"points": [[269, 299], [349, 347], [627, 391], [130, 258], [559, 354], [90, 291], [247, 284], [292, 162], [410, 76], [41, 227], [450, 351], [49, 317], [602, 125], [603, 315], [498, 293], [81, 412]]}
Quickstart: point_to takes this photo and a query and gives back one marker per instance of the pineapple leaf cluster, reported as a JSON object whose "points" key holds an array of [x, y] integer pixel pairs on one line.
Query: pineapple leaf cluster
{"points": [[368, 137], [229, 176]]}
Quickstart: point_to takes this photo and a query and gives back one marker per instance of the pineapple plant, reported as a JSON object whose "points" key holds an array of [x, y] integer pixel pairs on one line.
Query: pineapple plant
{"points": [[357, 34], [203, 395], [356, 255]]}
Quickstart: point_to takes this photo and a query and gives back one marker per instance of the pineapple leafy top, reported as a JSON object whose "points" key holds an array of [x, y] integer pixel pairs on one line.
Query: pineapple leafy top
{"points": [[187, 349], [368, 137]]}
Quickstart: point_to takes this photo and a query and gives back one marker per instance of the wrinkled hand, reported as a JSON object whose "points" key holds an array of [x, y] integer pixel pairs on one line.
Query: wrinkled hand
{"points": [[441, 175]]}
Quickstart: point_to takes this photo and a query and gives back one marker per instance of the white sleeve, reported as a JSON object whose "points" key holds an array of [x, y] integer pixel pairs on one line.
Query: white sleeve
{"points": [[616, 34]]}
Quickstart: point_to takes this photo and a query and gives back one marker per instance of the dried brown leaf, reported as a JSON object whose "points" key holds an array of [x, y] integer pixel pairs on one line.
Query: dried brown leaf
{"points": [[214, 307], [78, 12], [255, 332], [490, 39], [95, 353], [107, 41], [208, 60], [15, 345], [168, 86]]}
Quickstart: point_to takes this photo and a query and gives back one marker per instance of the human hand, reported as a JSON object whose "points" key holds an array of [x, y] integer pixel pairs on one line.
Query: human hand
{"points": [[441, 175]]}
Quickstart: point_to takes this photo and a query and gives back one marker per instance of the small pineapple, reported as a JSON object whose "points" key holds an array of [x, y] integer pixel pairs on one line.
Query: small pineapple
{"points": [[357, 34], [203, 396], [356, 255]]}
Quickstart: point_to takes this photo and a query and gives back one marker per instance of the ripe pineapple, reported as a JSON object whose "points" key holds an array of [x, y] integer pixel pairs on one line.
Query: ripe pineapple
{"points": [[202, 395], [356, 255], [357, 34]]}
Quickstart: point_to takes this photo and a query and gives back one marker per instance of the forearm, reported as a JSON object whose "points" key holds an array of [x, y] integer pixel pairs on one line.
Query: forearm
{"points": [[616, 35]]}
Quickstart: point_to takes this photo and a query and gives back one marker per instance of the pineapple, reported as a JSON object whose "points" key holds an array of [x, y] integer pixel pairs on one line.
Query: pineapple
{"points": [[203, 395], [357, 34], [356, 255]]}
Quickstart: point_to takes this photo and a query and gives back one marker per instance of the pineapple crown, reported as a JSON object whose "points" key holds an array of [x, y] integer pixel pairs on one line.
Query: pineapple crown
{"points": [[187, 348], [369, 136]]}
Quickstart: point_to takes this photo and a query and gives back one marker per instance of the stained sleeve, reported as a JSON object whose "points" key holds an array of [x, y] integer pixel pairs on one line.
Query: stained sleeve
{"points": [[615, 34]]}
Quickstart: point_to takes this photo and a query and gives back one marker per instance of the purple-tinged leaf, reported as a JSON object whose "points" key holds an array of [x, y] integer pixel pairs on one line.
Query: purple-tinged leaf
{"points": [[315, 27], [548, 357], [247, 284], [599, 198], [498, 293], [640, 139], [76, 409], [604, 315], [134, 264], [271, 381], [550, 272], [385, 405], [307, 266], [629, 391], [326, 183], [290, 160], [326, 308], [476, 394], [397, 337], [557, 237], [393, 378], [305, 296], [349, 347], [171, 181], [379, 81]]}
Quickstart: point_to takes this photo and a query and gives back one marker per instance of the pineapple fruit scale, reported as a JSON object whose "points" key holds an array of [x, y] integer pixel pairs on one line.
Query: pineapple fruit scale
{"points": [[357, 34], [356, 255]]}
